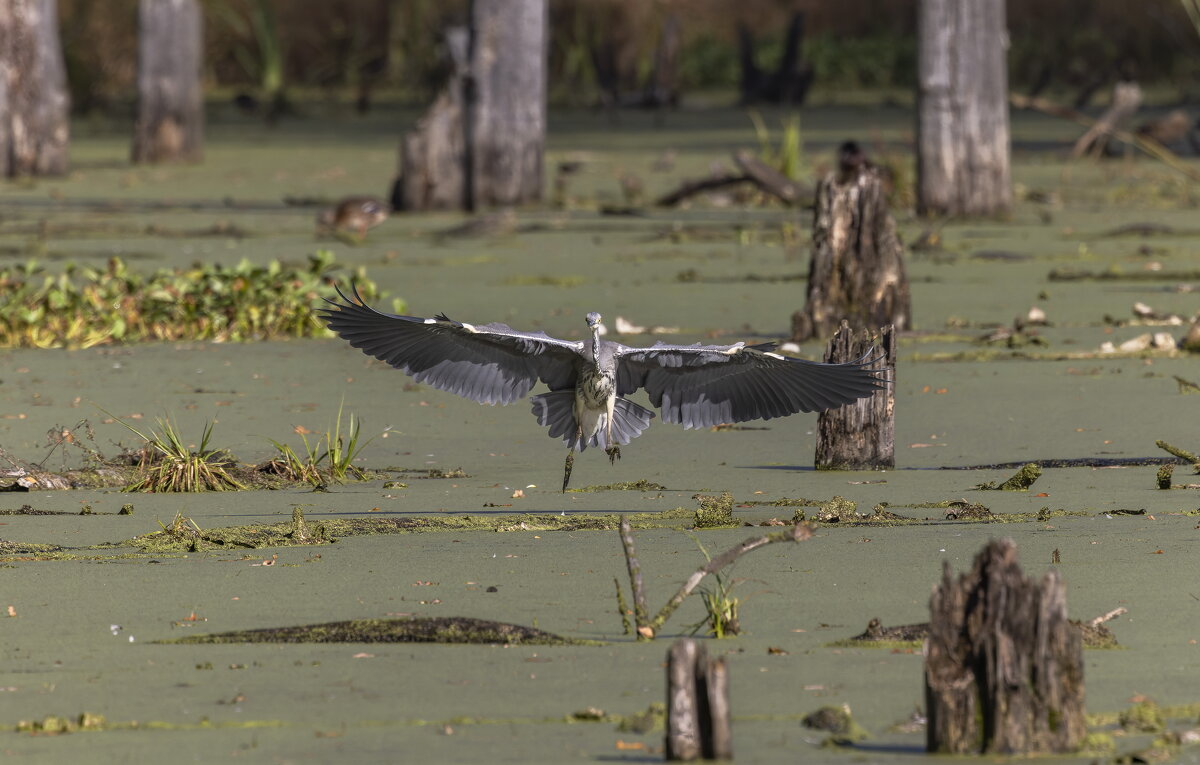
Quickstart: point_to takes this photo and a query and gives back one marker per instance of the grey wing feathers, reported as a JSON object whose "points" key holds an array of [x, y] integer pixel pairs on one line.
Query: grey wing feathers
{"points": [[491, 364], [701, 386]]}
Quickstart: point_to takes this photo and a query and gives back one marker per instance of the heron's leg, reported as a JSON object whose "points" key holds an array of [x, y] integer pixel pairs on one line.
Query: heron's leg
{"points": [[612, 450], [570, 463]]}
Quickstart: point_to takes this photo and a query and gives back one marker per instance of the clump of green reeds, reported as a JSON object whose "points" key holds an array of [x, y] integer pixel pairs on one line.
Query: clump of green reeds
{"points": [[788, 155], [85, 306], [328, 458], [720, 605], [168, 465]]}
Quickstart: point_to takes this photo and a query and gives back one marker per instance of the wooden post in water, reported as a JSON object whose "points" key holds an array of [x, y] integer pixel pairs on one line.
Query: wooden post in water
{"points": [[1003, 666], [861, 435], [698, 720]]}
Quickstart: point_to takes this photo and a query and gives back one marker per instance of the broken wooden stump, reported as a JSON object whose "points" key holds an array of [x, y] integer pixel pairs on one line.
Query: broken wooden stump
{"points": [[433, 155], [860, 435], [1003, 665], [698, 719], [1127, 98], [857, 272]]}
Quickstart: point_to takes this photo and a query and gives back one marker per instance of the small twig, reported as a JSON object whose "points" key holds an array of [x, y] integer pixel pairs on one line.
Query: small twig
{"points": [[622, 607], [798, 533], [1113, 614], [644, 631], [1182, 454]]}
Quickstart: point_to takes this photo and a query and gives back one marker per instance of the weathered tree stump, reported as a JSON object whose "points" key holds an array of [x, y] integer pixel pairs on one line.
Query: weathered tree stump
{"points": [[482, 142], [698, 719], [856, 273], [1003, 665], [962, 108], [34, 103], [170, 111], [861, 435], [1127, 98], [433, 155]]}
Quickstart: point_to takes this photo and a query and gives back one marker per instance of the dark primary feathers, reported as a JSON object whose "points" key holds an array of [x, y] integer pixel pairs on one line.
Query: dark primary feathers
{"points": [[491, 364], [695, 385]]}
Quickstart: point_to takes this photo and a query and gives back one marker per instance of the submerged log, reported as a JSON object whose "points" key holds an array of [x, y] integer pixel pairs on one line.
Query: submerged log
{"points": [[698, 720], [1003, 665], [861, 435], [857, 269]]}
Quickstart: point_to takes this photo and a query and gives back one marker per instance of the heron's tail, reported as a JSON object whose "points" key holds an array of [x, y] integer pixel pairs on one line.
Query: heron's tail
{"points": [[556, 410]]}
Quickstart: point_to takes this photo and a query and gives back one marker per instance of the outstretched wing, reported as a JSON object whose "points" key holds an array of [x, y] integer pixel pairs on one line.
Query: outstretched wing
{"points": [[700, 386], [491, 364]]}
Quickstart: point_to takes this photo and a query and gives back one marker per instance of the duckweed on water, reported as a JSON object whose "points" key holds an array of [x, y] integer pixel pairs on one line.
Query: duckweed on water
{"points": [[84, 306]]}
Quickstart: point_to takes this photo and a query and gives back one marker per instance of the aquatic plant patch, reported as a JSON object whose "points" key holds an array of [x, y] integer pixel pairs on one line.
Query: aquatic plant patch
{"points": [[84, 306]]}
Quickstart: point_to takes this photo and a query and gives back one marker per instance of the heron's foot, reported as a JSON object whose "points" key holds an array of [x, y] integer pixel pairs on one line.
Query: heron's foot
{"points": [[614, 454], [570, 463]]}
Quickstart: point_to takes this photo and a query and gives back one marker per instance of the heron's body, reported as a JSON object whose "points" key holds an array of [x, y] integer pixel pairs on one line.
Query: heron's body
{"points": [[693, 385]]}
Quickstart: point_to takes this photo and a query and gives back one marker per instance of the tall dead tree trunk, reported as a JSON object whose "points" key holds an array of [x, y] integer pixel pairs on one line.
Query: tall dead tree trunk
{"points": [[483, 141], [506, 107], [861, 435], [34, 103], [962, 108], [857, 269], [1003, 665], [170, 117]]}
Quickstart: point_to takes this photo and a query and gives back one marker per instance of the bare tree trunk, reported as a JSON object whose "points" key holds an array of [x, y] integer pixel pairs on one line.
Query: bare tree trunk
{"points": [[857, 269], [506, 107], [861, 435], [34, 103], [170, 119], [962, 108], [1003, 665]]}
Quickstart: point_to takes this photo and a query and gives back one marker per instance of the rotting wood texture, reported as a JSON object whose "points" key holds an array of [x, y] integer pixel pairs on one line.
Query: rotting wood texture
{"points": [[698, 719], [857, 272], [861, 435], [1003, 665]]}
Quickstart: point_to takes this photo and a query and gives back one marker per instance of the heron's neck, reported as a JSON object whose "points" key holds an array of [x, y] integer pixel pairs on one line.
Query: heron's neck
{"points": [[596, 345]]}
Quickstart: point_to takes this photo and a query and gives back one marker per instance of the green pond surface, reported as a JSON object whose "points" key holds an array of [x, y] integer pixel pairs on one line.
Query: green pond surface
{"points": [[84, 637]]}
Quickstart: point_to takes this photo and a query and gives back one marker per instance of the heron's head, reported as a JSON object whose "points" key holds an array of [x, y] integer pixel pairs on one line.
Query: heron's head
{"points": [[593, 320]]}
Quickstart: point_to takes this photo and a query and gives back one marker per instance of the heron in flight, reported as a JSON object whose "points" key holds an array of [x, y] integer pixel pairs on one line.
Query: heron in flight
{"points": [[697, 386]]}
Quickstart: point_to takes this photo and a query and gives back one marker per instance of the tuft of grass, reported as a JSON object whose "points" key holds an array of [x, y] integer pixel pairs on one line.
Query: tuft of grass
{"points": [[168, 465], [788, 156], [340, 452], [330, 458], [720, 606]]}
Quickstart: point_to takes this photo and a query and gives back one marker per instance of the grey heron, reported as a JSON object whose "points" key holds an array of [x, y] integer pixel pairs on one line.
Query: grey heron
{"points": [[697, 386]]}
